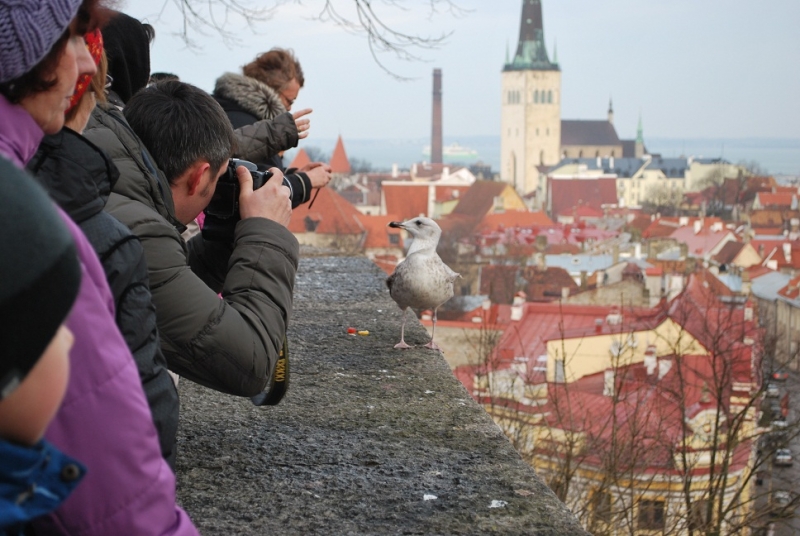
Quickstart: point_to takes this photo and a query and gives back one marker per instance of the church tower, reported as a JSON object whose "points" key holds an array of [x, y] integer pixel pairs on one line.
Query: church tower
{"points": [[531, 106]]}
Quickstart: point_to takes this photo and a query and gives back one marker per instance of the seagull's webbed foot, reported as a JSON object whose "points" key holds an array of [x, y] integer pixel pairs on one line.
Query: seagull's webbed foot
{"points": [[402, 345], [433, 346]]}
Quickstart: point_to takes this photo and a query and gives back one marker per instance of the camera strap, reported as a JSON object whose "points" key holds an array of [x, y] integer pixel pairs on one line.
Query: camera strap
{"points": [[279, 380]]}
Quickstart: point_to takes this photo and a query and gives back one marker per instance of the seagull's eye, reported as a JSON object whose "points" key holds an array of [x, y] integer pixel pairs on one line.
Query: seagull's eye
{"points": [[418, 223]]}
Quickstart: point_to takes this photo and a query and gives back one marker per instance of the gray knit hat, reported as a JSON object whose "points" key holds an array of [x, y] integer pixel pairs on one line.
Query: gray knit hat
{"points": [[28, 30]]}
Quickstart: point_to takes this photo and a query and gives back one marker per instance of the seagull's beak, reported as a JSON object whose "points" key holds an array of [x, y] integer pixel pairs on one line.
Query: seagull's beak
{"points": [[397, 224]]}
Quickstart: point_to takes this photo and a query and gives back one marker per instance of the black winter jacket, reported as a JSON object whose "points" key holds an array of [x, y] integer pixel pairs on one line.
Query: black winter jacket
{"points": [[79, 177], [263, 128]]}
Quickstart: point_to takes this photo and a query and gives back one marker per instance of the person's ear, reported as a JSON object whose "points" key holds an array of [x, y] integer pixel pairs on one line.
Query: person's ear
{"points": [[194, 181]]}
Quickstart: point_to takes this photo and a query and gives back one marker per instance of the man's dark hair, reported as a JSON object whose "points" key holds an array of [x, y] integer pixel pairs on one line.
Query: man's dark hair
{"points": [[181, 124], [162, 77], [91, 15]]}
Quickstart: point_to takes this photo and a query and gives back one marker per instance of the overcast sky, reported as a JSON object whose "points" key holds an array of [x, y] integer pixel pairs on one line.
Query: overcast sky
{"points": [[694, 68]]}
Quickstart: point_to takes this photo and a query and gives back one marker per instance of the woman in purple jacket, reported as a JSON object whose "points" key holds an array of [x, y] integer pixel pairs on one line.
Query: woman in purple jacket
{"points": [[104, 421]]}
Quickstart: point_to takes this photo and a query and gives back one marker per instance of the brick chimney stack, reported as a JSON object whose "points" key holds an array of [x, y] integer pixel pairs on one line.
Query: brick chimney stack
{"points": [[436, 135]]}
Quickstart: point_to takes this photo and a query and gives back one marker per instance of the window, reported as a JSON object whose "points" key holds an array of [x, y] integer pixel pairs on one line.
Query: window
{"points": [[394, 238], [310, 224], [498, 203], [601, 506], [550, 97], [698, 515], [651, 515], [536, 96], [560, 373]]}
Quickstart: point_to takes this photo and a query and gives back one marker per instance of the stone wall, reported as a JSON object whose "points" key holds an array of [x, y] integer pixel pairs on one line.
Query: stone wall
{"points": [[366, 436]]}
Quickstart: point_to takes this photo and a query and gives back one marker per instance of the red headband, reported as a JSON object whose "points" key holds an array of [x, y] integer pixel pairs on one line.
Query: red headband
{"points": [[94, 42]]}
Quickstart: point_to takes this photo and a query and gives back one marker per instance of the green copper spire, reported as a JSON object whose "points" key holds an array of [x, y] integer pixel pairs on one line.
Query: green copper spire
{"points": [[555, 52], [640, 131], [531, 51]]}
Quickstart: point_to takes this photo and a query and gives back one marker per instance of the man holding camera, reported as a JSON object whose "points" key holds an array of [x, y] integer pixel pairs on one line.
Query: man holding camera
{"points": [[231, 344]]}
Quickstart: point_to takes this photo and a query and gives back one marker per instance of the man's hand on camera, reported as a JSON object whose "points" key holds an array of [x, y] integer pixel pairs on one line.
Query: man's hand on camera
{"points": [[303, 125], [318, 173], [271, 201]]}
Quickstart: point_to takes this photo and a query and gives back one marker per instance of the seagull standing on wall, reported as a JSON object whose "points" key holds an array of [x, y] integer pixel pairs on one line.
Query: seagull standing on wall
{"points": [[422, 280]]}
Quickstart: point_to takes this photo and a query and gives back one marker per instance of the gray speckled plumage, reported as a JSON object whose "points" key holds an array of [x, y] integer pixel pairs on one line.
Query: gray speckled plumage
{"points": [[422, 280]]}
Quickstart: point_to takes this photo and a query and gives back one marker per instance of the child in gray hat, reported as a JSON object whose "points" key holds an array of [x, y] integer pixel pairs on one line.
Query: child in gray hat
{"points": [[41, 276]]}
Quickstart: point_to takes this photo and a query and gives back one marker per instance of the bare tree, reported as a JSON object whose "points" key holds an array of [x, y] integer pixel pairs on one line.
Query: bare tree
{"points": [[675, 444], [361, 17], [663, 199]]}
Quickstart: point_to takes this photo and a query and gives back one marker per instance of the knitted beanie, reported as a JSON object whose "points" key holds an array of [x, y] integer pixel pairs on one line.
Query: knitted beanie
{"points": [[28, 30], [40, 275]]}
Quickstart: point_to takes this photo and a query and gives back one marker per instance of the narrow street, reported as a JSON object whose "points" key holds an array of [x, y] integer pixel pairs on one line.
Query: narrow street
{"points": [[786, 478]]}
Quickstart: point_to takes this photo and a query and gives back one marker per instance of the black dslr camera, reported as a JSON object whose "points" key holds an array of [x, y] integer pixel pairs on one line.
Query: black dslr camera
{"points": [[222, 213]]}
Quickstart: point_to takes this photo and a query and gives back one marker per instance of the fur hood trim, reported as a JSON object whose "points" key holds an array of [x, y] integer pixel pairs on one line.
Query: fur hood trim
{"points": [[252, 95]]}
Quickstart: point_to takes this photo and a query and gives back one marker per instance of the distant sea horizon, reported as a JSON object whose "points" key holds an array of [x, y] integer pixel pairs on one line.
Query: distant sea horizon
{"points": [[777, 156]]}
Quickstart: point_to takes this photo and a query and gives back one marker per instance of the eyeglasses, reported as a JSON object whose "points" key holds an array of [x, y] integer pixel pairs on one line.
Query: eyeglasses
{"points": [[287, 100], [109, 81]]}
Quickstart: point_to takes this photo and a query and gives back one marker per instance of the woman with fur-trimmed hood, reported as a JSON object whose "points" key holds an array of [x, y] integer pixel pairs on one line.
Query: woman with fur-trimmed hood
{"points": [[258, 104]]}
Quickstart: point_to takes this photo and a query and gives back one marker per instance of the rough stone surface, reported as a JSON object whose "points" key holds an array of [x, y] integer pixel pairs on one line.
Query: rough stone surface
{"points": [[365, 433]]}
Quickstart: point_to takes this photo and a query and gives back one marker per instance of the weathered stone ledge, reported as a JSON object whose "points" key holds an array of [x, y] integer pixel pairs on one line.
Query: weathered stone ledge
{"points": [[365, 433]]}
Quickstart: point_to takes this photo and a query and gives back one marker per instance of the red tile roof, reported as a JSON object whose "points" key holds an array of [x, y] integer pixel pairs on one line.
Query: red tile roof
{"points": [[582, 211], [766, 218], [783, 200], [702, 243], [568, 193], [300, 159], [331, 214], [339, 162], [757, 271], [791, 290], [786, 190], [647, 408], [479, 199], [448, 192], [499, 282], [728, 252], [387, 263], [547, 284], [778, 252], [407, 200], [379, 232], [513, 218]]}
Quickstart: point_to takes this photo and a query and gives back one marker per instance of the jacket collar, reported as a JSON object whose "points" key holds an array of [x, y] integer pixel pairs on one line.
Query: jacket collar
{"points": [[34, 481], [149, 186], [19, 133], [78, 175], [253, 96]]}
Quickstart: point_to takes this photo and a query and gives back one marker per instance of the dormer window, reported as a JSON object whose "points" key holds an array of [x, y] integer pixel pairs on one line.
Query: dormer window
{"points": [[310, 224], [498, 203]]}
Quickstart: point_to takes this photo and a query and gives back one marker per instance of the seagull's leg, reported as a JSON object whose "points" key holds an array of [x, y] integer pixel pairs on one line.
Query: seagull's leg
{"points": [[432, 345], [402, 344]]}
